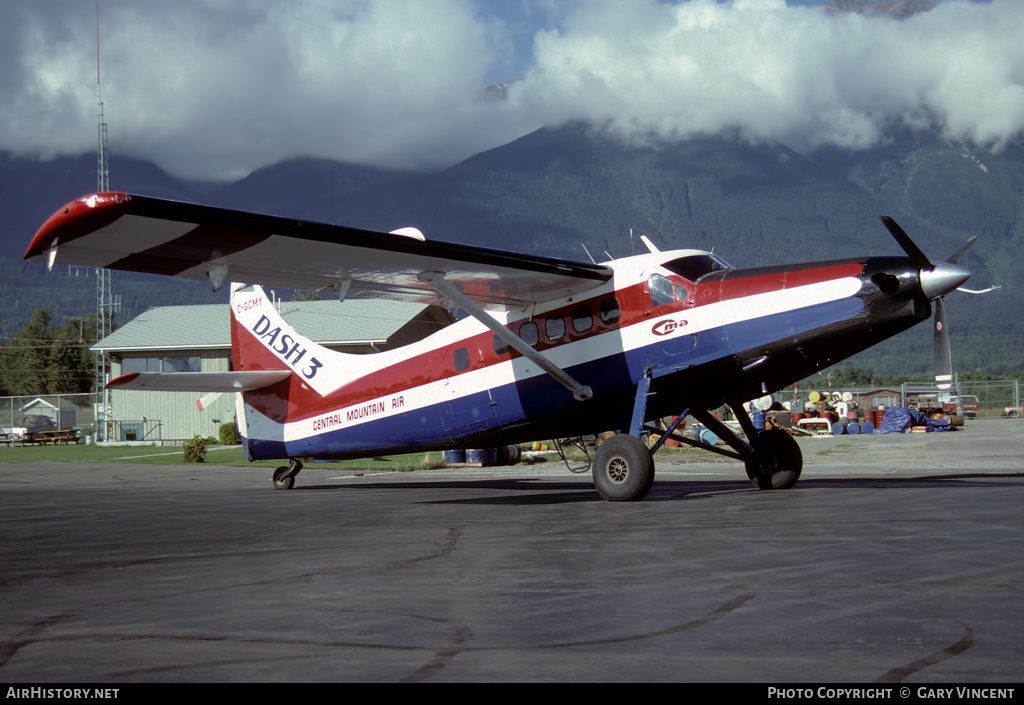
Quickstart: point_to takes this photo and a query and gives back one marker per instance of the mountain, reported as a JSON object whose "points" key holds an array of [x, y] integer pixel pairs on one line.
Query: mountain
{"points": [[297, 184], [31, 190], [555, 190], [897, 9]]}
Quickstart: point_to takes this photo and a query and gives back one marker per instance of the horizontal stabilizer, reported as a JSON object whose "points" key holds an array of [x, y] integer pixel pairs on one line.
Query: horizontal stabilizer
{"points": [[199, 381]]}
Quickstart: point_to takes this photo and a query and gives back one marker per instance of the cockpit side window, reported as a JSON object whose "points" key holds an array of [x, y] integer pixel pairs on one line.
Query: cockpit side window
{"points": [[661, 290]]}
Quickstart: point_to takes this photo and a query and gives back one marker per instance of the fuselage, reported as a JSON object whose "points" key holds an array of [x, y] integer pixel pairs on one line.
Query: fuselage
{"points": [[706, 333]]}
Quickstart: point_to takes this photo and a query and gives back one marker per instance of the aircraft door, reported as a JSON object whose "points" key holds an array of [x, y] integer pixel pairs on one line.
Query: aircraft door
{"points": [[470, 402]]}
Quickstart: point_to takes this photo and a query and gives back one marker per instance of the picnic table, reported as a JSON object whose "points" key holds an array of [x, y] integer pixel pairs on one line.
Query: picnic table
{"points": [[8, 439], [56, 437]]}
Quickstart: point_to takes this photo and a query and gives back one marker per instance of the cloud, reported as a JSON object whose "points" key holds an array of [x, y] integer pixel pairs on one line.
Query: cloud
{"points": [[797, 75], [214, 88]]}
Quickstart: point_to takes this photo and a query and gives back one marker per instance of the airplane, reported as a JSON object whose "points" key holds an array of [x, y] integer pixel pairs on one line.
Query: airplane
{"points": [[551, 348]]}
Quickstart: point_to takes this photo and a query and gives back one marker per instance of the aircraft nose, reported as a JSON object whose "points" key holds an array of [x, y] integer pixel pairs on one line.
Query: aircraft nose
{"points": [[944, 278]]}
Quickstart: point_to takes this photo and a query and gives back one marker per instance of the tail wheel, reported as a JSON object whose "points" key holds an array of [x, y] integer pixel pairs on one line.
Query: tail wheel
{"points": [[623, 469], [789, 461], [284, 479]]}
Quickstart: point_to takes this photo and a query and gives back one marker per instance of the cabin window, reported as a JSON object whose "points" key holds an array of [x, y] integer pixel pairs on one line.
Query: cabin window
{"points": [[529, 333], [500, 346], [582, 319], [610, 311], [661, 290], [554, 326], [461, 359]]}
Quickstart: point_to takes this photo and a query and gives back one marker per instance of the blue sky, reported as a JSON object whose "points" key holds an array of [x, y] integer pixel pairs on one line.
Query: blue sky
{"points": [[216, 88]]}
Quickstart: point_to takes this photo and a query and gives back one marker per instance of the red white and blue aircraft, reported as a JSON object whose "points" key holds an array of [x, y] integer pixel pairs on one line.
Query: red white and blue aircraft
{"points": [[553, 349]]}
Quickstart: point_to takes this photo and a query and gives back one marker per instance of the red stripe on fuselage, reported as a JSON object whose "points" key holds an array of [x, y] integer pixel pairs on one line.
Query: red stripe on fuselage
{"points": [[788, 279]]}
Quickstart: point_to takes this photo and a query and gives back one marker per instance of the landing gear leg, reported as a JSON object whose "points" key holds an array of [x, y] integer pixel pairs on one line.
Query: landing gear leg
{"points": [[284, 476]]}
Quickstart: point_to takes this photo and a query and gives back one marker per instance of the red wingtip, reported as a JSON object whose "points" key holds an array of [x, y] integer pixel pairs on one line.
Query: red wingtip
{"points": [[121, 380], [80, 217]]}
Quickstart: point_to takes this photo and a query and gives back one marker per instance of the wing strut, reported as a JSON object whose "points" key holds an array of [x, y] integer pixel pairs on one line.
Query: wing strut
{"points": [[580, 392]]}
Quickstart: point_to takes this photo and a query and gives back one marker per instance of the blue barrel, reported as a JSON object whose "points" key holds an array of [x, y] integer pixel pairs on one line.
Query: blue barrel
{"points": [[492, 456], [476, 455], [758, 420], [867, 427], [708, 437], [838, 429], [455, 456], [853, 428]]}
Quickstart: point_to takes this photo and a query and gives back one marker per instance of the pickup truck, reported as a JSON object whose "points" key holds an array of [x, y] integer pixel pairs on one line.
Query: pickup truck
{"points": [[27, 426], [969, 402]]}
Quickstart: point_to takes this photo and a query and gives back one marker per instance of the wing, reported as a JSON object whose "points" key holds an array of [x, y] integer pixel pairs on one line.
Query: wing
{"points": [[141, 234]]}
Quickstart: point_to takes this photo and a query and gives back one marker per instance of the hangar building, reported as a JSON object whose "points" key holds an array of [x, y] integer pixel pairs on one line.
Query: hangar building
{"points": [[198, 339]]}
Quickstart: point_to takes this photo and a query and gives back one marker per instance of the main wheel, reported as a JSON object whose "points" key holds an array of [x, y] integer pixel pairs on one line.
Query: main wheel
{"points": [[789, 461], [623, 469], [282, 480]]}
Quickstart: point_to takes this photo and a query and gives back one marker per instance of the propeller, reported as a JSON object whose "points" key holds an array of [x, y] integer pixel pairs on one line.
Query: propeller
{"points": [[936, 280]]}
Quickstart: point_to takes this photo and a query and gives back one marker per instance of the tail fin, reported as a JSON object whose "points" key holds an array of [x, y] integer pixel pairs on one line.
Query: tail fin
{"points": [[262, 340]]}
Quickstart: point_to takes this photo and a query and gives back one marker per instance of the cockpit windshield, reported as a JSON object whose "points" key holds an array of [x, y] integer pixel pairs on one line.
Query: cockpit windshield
{"points": [[693, 267]]}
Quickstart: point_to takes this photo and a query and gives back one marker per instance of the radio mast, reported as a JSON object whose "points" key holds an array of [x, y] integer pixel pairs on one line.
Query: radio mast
{"points": [[105, 305]]}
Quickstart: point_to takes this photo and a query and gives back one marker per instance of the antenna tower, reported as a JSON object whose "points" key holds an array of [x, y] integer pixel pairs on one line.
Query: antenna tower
{"points": [[106, 307]]}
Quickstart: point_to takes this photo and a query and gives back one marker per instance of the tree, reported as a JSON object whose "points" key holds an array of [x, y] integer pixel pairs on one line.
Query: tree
{"points": [[42, 359]]}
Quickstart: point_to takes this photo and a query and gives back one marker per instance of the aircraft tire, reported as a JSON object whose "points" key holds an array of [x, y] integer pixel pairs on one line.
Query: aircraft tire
{"points": [[282, 480], [789, 461], [623, 469]]}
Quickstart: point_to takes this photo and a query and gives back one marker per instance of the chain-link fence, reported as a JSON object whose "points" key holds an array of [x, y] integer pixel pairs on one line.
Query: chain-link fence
{"points": [[995, 398], [43, 413]]}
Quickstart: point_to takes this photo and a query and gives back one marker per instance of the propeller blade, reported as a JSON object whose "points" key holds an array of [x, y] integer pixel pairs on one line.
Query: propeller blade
{"points": [[908, 246], [959, 254], [943, 359]]}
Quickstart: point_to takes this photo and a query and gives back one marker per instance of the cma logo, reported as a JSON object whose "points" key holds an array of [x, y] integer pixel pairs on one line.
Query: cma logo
{"points": [[667, 327]]}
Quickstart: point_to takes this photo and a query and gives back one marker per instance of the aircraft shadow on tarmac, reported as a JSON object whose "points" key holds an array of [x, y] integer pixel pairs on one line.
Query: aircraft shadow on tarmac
{"points": [[546, 491]]}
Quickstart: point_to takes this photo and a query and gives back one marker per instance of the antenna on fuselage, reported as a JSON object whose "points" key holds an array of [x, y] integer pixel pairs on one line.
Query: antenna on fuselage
{"points": [[592, 261]]}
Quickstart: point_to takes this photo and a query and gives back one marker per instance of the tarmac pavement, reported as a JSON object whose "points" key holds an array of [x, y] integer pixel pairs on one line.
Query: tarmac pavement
{"points": [[895, 559]]}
